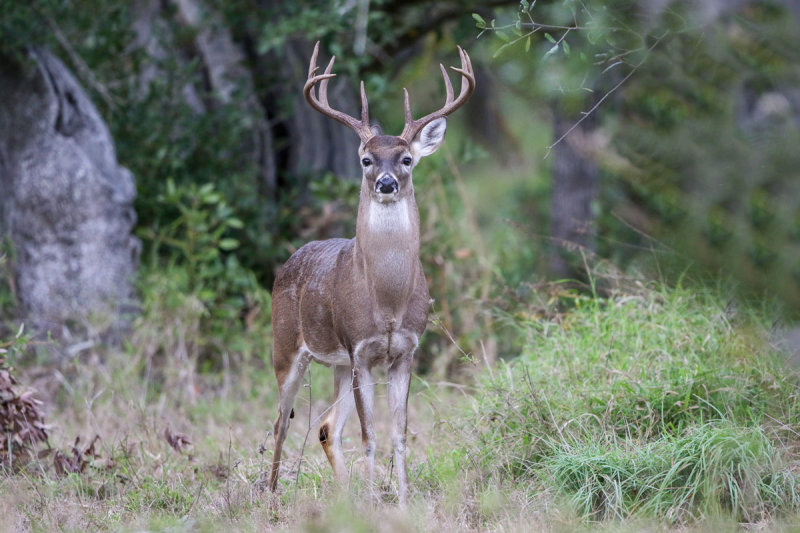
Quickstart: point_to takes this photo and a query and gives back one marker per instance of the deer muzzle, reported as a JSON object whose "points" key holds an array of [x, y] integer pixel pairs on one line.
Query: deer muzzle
{"points": [[386, 184]]}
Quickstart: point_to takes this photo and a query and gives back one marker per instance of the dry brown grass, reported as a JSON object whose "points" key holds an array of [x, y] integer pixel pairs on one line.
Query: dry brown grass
{"points": [[167, 459]]}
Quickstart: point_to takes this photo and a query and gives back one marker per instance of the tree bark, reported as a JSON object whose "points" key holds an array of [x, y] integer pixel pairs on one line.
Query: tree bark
{"points": [[66, 205], [317, 143], [230, 78], [575, 187]]}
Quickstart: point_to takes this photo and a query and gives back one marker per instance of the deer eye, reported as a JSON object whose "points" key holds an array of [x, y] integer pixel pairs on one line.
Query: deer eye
{"points": [[407, 161], [366, 162]]}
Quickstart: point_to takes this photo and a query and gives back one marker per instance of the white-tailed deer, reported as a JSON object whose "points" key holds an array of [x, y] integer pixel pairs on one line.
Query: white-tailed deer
{"points": [[353, 304]]}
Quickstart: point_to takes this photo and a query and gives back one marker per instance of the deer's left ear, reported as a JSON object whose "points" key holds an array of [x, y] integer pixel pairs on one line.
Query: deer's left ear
{"points": [[430, 138]]}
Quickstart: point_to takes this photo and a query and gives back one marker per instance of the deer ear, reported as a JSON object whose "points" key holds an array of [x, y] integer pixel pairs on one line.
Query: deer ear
{"points": [[430, 138]]}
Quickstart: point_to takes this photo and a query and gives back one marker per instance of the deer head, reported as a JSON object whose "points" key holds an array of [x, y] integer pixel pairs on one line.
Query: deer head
{"points": [[387, 160]]}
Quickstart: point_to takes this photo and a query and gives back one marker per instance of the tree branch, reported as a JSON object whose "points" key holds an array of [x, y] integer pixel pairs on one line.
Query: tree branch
{"points": [[586, 114]]}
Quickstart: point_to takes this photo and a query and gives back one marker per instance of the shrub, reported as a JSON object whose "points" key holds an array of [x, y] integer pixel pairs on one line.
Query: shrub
{"points": [[653, 401]]}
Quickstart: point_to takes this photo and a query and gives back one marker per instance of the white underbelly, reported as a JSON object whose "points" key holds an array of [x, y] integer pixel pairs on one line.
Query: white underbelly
{"points": [[376, 348], [339, 357]]}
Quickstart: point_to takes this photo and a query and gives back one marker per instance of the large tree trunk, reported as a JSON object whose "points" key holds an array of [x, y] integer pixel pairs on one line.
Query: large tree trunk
{"points": [[575, 187], [66, 204], [317, 142], [228, 76], [486, 121]]}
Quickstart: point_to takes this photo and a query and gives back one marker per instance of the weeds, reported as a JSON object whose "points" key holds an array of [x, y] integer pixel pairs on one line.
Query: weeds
{"points": [[645, 407], [650, 403], [715, 470]]}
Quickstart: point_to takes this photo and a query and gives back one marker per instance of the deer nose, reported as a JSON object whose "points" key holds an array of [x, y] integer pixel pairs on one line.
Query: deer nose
{"points": [[387, 184]]}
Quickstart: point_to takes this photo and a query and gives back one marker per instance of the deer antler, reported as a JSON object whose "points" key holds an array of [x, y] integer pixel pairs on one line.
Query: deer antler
{"points": [[413, 127], [320, 103]]}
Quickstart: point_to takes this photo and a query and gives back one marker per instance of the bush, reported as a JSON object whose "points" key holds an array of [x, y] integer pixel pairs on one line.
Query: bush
{"points": [[652, 401]]}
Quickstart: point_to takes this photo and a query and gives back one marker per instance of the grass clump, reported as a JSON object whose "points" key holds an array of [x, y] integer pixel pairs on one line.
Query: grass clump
{"points": [[649, 403], [715, 470]]}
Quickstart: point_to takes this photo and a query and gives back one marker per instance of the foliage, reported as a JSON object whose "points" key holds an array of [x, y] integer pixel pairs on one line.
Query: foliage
{"points": [[652, 407], [663, 405], [8, 299], [711, 470], [205, 301], [201, 221], [648, 403], [697, 124], [710, 153]]}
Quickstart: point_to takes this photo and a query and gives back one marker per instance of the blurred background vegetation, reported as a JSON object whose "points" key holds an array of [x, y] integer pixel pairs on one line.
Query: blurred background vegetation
{"points": [[660, 136]]}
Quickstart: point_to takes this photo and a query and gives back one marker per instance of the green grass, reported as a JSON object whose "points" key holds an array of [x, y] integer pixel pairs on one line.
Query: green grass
{"points": [[716, 470], [656, 403]]}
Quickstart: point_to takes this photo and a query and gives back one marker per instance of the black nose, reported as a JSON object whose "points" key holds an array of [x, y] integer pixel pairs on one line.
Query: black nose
{"points": [[386, 184]]}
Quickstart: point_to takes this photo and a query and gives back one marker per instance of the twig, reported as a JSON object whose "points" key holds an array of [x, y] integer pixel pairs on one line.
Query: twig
{"points": [[195, 499], [305, 440], [552, 417], [455, 343], [641, 233], [586, 114], [228, 481], [85, 72], [486, 361]]}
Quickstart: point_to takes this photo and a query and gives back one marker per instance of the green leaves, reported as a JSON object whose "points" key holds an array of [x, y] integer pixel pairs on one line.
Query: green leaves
{"points": [[228, 244], [200, 232], [479, 22]]}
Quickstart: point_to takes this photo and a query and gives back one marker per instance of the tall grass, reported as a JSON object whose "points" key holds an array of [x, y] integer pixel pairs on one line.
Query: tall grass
{"points": [[650, 406], [652, 402]]}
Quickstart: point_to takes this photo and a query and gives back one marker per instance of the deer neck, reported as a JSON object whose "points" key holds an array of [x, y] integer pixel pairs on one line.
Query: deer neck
{"points": [[387, 249]]}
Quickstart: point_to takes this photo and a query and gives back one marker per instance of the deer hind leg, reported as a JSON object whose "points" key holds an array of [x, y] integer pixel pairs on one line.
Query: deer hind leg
{"points": [[288, 386], [330, 432]]}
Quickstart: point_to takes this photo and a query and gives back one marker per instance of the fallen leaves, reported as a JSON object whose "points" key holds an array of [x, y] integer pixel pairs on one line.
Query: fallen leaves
{"points": [[22, 424], [79, 459], [178, 441]]}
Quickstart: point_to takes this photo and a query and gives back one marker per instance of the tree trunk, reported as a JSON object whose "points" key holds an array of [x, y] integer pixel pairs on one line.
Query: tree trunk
{"points": [[317, 143], [575, 187], [486, 122], [228, 76], [66, 205]]}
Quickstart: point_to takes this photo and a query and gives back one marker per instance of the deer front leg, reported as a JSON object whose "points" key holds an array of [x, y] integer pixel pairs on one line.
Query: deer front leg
{"points": [[363, 388], [399, 378]]}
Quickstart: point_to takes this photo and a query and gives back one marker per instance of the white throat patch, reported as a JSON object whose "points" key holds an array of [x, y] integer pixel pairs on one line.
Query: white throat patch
{"points": [[390, 217]]}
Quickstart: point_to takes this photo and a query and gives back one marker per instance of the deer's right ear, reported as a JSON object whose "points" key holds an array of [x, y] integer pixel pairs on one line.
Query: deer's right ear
{"points": [[430, 138]]}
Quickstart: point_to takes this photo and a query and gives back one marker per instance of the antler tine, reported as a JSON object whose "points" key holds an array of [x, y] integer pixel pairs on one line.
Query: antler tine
{"points": [[465, 70], [364, 106], [448, 87], [323, 86], [312, 65], [407, 104], [319, 101], [412, 127]]}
